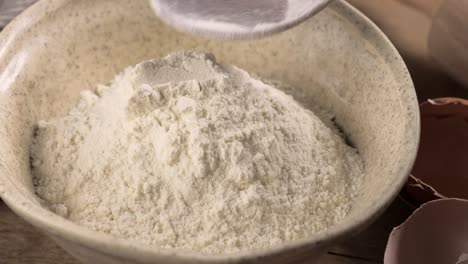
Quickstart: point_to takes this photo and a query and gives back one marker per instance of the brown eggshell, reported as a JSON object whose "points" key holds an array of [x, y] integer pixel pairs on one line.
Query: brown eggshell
{"points": [[436, 233], [441, 167]]}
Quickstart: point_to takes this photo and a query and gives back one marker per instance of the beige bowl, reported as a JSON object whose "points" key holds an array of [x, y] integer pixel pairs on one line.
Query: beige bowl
{"points": [[59, 47]]}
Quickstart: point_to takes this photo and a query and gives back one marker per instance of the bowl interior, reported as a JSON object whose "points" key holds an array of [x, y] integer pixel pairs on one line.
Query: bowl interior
{"points": [[337, 60]]}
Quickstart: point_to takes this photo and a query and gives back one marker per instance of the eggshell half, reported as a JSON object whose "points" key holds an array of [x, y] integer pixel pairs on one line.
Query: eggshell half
{"points": [[436, 233], [441, 167]]}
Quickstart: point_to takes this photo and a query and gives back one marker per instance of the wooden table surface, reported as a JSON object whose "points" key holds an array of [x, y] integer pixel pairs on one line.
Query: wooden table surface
{"points": [[20, 243]]}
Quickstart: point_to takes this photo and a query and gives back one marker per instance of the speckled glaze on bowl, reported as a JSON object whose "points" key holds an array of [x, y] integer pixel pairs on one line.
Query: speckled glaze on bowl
{"points": [[58, 47]]}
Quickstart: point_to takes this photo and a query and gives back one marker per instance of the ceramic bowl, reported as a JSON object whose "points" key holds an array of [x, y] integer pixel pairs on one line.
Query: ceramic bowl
{"points": [[57, 48]]}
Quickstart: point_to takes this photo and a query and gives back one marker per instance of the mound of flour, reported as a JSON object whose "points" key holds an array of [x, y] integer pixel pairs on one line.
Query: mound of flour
{"points": [[182, 152]]}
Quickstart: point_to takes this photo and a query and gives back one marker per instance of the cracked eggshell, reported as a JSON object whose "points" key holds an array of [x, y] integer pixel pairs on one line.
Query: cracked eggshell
{"points": [[441, 167], [435, 233]]}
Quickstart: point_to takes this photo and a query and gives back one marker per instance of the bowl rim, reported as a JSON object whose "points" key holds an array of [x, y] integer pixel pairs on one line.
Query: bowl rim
{"points": [[125, 249]]}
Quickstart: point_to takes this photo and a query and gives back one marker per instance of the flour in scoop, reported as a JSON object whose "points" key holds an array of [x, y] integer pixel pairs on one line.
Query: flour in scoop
{"points": [[185, 153]]}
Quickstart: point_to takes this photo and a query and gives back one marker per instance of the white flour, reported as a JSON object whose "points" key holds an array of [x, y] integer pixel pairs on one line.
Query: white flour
{"points": [[184, 153]]}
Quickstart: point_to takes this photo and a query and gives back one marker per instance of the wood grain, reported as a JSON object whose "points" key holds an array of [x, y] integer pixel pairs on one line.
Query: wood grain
{"points": [[20, 243]]}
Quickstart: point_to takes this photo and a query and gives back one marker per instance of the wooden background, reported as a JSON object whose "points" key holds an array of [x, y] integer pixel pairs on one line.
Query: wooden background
{"points": [[407, 23]]}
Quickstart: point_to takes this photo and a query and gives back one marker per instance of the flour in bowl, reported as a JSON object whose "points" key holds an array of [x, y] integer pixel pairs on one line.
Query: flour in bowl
{"points": [[183, 152]]}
